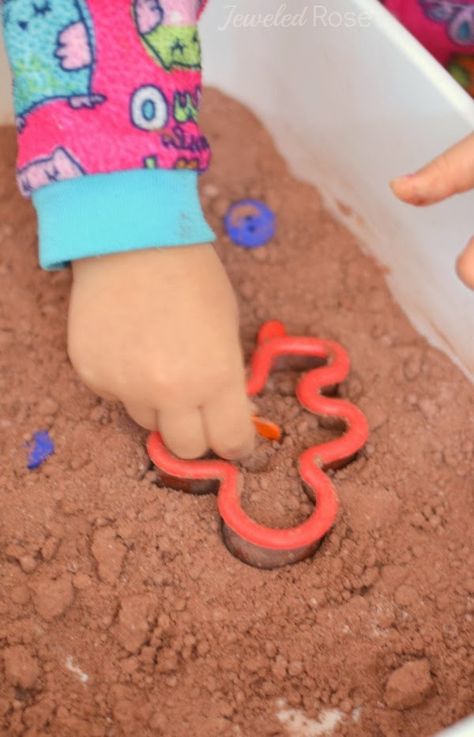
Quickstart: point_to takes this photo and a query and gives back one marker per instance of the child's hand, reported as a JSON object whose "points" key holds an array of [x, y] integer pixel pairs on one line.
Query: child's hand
{"points": [[158, 329], [449, 174]]}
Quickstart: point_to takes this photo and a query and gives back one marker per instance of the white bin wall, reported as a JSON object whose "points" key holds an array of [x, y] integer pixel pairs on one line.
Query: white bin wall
{"points": [[350, 108]]}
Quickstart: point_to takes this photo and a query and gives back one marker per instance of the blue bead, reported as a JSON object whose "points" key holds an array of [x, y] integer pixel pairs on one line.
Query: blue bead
{"points": [[250, 223], [42, 448]]}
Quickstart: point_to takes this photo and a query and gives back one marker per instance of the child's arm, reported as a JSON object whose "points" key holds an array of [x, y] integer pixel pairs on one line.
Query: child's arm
{"points": [[107, 97]]}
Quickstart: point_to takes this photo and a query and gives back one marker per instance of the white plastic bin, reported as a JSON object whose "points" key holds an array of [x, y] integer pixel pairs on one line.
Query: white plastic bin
{"points": [[463, 729], [352, 100]]}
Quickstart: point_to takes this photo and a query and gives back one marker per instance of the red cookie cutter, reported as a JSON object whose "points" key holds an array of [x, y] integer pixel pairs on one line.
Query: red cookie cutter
{"points": [[255, 544]]}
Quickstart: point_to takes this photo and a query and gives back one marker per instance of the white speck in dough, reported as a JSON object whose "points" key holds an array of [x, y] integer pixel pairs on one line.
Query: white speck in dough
{"points": [[83, 677], [299, 725]]}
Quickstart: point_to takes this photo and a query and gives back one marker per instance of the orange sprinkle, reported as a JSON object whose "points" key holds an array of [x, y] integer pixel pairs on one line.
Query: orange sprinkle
{"points": [[267, 429]]}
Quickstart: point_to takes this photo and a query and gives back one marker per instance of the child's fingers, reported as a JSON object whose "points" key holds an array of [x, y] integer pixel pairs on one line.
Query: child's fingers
{"points": [[465, 265], [182, 431], [144, 416], [448, 174], [228, 424]]}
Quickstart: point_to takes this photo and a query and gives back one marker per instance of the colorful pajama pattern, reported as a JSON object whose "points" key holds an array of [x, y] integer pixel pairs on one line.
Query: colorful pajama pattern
{"points": [[446, 29], [102, 86]]}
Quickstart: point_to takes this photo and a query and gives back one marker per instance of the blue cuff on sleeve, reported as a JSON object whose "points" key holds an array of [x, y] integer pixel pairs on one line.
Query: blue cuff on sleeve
{"points": [[100, 214]]}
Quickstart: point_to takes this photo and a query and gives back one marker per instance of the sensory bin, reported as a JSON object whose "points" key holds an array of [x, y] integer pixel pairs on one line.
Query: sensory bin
{"points": [[122, 613]]}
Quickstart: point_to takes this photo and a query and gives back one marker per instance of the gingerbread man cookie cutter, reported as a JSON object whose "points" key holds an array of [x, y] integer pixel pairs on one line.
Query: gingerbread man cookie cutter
{"points": [[255, 544]]}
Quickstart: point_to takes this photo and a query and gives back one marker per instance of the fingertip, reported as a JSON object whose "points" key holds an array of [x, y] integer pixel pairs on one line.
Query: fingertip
{"points": [[234, 442], [228, 423], [465, 265], [188, 452], [234, 449], [407, 189], [183, 433], [398, 184]]}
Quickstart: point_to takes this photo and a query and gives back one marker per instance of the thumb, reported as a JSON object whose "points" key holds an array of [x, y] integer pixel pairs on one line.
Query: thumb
{"points": [[448, 174]]}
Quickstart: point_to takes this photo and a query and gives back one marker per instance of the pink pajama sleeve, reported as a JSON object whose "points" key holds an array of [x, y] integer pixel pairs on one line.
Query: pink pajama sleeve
{"points": [[107, 96]]}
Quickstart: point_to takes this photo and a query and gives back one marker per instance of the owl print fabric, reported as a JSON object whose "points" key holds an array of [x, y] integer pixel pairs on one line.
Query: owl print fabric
{"points": [[446, 29], [102, 87]]}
